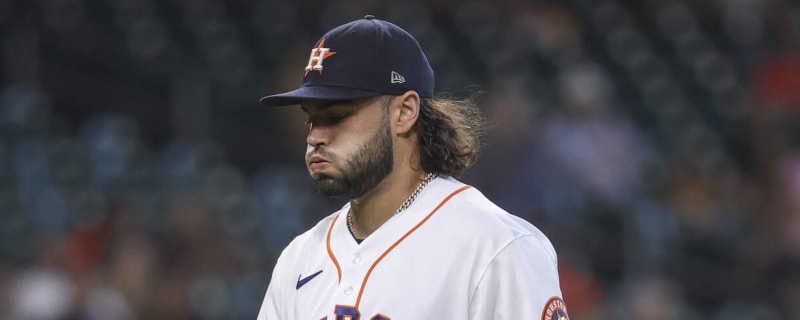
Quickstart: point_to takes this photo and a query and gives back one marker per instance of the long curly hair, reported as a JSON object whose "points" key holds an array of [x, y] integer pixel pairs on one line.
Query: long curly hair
{"points": [[450, 134]]}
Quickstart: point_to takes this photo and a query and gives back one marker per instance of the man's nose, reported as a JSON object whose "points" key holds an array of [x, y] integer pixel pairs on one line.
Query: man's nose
{"points": [[317, 136]]}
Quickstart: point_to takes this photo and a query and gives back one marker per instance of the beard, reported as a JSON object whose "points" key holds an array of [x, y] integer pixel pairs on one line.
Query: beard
{"points": [[367, 167]]}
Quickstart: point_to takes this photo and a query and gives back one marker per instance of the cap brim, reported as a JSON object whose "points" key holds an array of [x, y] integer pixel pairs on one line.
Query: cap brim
{"points": [[316, 93]]}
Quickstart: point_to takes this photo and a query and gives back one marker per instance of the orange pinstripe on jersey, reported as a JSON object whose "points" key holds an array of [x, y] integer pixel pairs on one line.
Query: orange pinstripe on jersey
{"points": [[330, 252], [374, 264]]}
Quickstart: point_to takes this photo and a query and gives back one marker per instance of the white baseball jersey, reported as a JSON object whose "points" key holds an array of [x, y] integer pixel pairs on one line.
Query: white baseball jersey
{"points": [[453, 254]]}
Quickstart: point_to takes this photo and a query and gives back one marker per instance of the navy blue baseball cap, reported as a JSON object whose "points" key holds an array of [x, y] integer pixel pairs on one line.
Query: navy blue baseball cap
{"points": [[363, 58]]}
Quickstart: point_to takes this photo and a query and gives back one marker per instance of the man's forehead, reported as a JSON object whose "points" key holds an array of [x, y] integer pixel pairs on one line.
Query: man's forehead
{"points": [[311, 105], [317, 105]]}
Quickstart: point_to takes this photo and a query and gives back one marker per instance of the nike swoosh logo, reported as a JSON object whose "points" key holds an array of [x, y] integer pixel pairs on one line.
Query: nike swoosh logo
{"points": [[302, 282]]}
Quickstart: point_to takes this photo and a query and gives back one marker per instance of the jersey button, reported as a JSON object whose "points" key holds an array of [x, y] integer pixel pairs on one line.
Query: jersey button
{"points": [[356, 259], [348, 291]]}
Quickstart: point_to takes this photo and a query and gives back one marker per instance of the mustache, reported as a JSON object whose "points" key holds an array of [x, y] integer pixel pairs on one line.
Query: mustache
{"points": [[320, 151]]}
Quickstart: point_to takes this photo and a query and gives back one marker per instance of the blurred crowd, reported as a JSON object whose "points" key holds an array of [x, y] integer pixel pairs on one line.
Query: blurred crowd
{"points": [[657, 144]]}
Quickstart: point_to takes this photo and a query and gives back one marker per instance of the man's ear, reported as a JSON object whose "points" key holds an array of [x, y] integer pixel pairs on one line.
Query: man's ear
{"points": [[408, 106]]}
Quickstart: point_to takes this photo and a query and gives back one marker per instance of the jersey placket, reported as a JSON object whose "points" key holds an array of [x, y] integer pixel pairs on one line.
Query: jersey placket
{"points": [[354, 261]]}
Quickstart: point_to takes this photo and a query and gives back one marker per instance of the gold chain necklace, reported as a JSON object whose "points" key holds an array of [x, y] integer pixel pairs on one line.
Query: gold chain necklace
{"points": [[428, 178]]}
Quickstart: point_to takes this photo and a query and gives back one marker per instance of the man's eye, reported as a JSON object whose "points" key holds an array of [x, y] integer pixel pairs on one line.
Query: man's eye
{"points": [[326, 120]]}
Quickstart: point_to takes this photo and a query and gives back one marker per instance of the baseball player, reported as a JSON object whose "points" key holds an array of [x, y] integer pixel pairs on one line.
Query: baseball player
{"points": [[412, 242]]}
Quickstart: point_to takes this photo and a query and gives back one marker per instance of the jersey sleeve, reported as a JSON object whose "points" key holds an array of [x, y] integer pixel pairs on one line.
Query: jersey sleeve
{"points": [[520, 282], [269, 307], [273, 299]]}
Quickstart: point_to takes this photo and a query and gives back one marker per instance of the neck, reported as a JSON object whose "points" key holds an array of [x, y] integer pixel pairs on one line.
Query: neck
{"points": [[373, 209]]}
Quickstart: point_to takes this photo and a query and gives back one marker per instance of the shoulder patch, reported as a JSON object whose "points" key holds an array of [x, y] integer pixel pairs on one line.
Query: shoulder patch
{"points": [[555, 309]]}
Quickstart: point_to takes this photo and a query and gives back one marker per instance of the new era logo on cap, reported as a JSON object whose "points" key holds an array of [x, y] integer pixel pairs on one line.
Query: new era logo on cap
{"points": [[356, 59], [397, 78]]}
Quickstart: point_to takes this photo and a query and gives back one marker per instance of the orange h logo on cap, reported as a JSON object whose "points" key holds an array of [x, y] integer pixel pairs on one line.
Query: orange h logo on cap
{"points": [[318, 54]]}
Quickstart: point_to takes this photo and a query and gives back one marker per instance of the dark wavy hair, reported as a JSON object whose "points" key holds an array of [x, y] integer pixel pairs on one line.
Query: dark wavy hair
{"points": [[450, 134]]}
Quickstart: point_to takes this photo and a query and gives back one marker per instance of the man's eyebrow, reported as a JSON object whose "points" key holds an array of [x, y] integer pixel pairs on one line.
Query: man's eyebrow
{"points": [[326, 104], [330, 103]]}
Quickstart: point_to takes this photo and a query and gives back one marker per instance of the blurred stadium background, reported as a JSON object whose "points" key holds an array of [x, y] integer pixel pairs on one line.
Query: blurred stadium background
{"points": [[657, 143]]}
